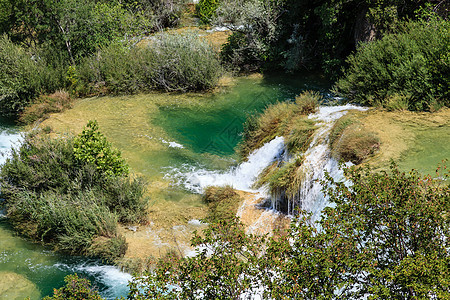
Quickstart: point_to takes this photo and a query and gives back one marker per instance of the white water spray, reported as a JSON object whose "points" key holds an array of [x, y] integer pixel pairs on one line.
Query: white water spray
{"points": [[318, 160], [241, 177], [7, 141]]}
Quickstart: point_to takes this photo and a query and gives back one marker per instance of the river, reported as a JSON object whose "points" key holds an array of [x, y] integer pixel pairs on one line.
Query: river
{"points": [[160, 135]]}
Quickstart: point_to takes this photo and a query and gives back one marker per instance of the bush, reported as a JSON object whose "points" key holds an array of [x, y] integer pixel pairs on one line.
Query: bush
{"points": [[206, 10], [170, 62], [160, 13], [45, 105], [75, 289], [20, 81], [54, 197], [411, 67], [223, 202], [69, 222], [91, 147]]}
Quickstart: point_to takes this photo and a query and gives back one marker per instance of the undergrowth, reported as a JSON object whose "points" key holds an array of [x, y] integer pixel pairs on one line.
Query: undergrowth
{"points": [[54, 197], [45, 105]]}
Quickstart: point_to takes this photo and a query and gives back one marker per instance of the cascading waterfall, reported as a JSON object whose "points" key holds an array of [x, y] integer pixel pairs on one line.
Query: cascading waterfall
{"points": [[316, 161], [241, 177]]}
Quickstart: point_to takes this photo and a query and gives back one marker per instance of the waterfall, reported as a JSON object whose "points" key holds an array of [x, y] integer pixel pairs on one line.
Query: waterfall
{"points": [[241, 177], [318, 160], [6, 143]]}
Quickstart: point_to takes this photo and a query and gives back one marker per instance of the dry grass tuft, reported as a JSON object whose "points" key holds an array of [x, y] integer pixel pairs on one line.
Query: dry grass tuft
{"points": [[350, 141], [223, 202], [45, 105]]}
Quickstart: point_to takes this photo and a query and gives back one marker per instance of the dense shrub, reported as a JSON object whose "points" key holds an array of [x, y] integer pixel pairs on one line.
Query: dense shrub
{"points": [[409, 68], [385, 236], [55, 197], [91, 147], [20, 81], [170, 62], [206, 10], [160, 13]]}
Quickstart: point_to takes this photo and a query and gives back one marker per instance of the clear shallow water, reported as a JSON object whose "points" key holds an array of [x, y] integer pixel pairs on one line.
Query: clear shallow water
{"points": [[431, 146], [215, 128]]}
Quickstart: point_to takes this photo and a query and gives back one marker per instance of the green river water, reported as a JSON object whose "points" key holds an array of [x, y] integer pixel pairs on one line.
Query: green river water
{"points": [[204, 132]]}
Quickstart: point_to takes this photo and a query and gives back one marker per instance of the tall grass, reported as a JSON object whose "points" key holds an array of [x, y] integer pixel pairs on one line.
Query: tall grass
{"points": [[350, 141], [282, 119]]}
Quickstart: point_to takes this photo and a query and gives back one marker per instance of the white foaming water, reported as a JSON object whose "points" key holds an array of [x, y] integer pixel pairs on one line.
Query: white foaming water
{"points": [[7, 141], [111, 277], [318, 159], [241, 177]]}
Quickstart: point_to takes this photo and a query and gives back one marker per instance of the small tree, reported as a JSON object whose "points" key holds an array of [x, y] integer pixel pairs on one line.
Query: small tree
{"points": [[92, 147], [75, 289]]}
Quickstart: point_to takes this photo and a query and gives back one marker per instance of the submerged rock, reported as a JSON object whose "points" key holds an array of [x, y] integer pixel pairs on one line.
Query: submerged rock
{"points": [[14, 286]]}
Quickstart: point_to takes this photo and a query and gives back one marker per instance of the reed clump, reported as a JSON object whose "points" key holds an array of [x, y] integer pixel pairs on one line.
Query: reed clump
{"points": [[350, 141], [282, 119]]}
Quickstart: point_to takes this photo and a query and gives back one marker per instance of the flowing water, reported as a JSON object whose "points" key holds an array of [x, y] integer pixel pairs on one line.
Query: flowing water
{"points": [[188, 140]]}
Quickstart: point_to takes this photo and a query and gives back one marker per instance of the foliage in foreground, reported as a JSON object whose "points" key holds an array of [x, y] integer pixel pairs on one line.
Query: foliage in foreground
{"points": [[386, 236], [71, 202], [76, 288], [407, 70]]}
